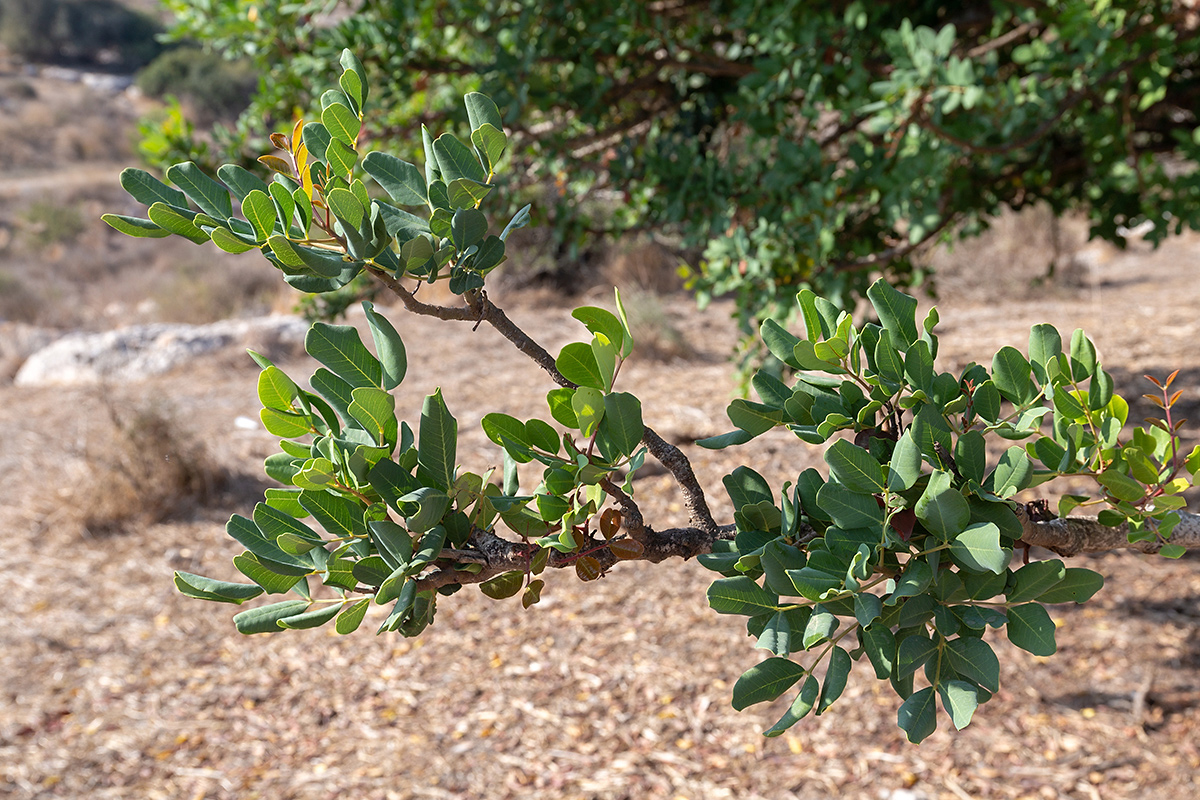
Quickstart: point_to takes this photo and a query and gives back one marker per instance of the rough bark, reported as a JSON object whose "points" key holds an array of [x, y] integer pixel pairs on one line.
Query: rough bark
{"points": [[1072, 536]]}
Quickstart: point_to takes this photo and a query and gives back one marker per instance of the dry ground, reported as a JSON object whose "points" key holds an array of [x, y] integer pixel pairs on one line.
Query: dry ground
{"points": [[112, 685]]}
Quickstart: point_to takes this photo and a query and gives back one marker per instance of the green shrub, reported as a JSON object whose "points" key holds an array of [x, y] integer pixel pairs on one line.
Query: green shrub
{"points": [[213, 87]]}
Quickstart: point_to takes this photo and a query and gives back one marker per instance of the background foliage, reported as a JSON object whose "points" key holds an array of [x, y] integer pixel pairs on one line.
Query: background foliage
{"points": [[786, 144], [88, 32]]}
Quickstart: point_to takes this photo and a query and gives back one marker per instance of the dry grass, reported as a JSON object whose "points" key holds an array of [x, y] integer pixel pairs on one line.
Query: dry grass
{"points": [[145, 467], [654, 327]]}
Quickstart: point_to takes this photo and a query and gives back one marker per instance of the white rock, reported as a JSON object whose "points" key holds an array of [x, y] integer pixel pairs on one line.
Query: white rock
{"points": [[139, 351]]}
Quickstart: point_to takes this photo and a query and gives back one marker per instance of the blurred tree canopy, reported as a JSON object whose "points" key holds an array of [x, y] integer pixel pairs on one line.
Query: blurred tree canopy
{"points": [[792, 143], [84, 32]]}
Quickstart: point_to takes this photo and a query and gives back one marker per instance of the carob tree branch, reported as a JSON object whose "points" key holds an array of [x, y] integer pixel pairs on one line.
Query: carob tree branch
{"points": [[479, 308], [498, 555], [1071, 536]]}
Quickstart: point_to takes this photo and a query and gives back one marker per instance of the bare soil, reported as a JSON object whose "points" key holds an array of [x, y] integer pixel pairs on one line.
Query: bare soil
{"points": [[112, 685]]}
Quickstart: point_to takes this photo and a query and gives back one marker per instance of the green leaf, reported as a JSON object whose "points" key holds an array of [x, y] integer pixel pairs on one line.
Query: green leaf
{"points": [[622, 424], [577, 363], [430, 547], [468, 227], [400, 179], [490, 143], [310, 619], [148, 190], [559, 401], [342, 123], [913, 652], [776, 635], [974, 659], [455, 160], [879, 643], [212, 198], [240, 180], [960, 699], [1121, 486], [266, 576], [202, 588], [372, 570], [942, 508], [393, 358], [810, 582], [1100, 390], [720, 442], [339, 515], [915, 580], [260, 539], [588, 406], [542, 435], [917, 716], [867, 608], [1077, 587], [134, 226], [346, 206], [754, 418], [340, 349], [597, 320], [1045, 344], [265, 619], [228, 242], [506, 584], [1031, 629], [519, 220], [985, 401], [906, 464], [350, 618], [508, 432], [285, 424], [897, 311], [850, 510], [464, 194], [1083, 356], [970, 456], [482, 110], [1033, 580], [302, 258], [741, 595], [376, 410], [765, 681], [821, 626], [854, 467], [799, 709], [1011, 375], [780, 342], [354, 74], [437, 441], [835, 678], [392, 541], [978, 548], [1012, 473], [258, 209], [172, 221], [431, 508], [341, 158]]}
